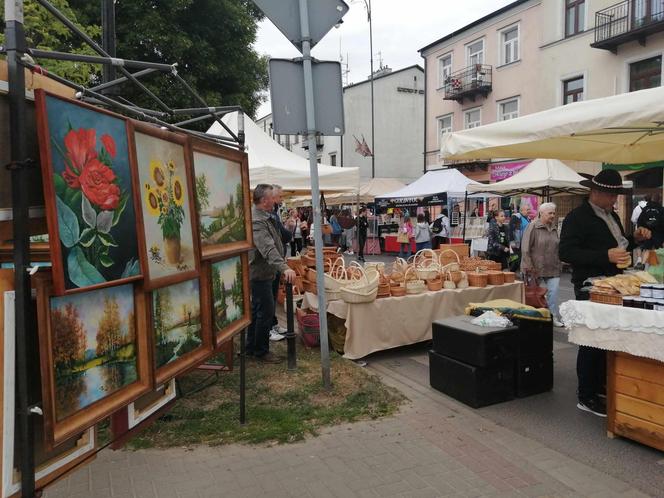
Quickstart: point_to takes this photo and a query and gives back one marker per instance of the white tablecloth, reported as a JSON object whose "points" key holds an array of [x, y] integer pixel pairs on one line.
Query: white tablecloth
{"points": [[614, 328], [398, 321]]}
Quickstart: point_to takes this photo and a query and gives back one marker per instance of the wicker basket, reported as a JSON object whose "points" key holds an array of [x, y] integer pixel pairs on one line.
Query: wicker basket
{"points": [[363, 290], [332, 295], [496, 277], [397, 291], [463, 283], [606, 297], [426, 264], [435, 284], [414, 285], [310, 287], [510, 277], [477, 278], [447, 256], [452, 271], [383, 290]]}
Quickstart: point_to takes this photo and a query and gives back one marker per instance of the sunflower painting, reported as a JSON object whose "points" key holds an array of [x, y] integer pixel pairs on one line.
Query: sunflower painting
{"points": [[166, 208]]}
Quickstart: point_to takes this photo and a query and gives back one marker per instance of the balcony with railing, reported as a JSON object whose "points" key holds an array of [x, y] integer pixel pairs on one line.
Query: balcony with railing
{"points": [[627, 21], [468, 82]]}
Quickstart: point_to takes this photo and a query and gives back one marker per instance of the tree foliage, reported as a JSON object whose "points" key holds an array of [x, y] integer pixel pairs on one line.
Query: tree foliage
{"points": [[109, 333], [69, 343], [211, 40], [45, 32]]}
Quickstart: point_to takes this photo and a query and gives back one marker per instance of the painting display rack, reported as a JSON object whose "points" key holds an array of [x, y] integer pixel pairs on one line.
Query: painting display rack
{"points": [[18, 57]]}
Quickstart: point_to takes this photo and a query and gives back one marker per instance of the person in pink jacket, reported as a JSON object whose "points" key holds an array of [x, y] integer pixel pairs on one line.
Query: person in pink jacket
{"points": [[405, 233]]}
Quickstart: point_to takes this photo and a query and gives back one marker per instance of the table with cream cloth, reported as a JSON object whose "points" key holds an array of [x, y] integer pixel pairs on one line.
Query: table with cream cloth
{"points": [[615, 328], [398, 321]]}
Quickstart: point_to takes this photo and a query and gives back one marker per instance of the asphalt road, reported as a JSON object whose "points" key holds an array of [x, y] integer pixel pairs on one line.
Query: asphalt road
{"points": [[552, 418]]}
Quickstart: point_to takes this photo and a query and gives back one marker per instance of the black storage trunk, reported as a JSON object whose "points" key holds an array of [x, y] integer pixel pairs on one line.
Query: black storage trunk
{"points": [[474, 386], [534, 375], [457, 338], [534, 337]]}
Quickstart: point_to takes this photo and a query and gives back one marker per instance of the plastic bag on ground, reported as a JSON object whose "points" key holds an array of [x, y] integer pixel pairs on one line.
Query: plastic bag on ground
{"points": [[491, 319]]}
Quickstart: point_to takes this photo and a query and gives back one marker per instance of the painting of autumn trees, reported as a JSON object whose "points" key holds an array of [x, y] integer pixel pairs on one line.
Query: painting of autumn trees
{"points": [[94, 346]]}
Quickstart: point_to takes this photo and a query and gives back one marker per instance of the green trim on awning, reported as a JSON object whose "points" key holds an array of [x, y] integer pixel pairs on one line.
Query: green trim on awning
{"points": [[633, 167]]}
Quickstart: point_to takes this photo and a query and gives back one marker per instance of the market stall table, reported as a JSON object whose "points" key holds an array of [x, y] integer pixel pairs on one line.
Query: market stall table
{"points": [[634, 339], [398, 321]]}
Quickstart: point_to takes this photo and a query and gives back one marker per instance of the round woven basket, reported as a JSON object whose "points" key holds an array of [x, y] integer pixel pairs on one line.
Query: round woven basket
{"points": [[510, 277], [496, 277], [477, 278], [426, 264], [414, 285], [435, 284], [397, 291]]}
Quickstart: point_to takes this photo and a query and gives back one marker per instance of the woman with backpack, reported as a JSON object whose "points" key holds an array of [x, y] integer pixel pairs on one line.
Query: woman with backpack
{"points": [[440, 229], [422, 233]]}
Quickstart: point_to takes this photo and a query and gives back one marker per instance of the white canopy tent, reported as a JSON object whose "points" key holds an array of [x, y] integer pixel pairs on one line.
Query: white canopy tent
{"points": [[448, 181], [545, 177], [369, 190], [622, 129], [269, 162]]}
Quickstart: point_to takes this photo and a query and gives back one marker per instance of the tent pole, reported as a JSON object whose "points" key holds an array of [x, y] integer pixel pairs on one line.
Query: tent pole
{"points": [[465, 215]]}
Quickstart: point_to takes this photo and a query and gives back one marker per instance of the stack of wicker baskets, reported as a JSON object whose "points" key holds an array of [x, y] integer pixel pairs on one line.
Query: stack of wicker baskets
{"points": [[473, 263], [510, 277], [496, 277], [363, 290], [478, 278]]}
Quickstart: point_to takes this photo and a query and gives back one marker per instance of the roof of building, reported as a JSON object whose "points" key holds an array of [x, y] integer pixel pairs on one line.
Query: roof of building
{"points": [[474, 23], [391, 73]]}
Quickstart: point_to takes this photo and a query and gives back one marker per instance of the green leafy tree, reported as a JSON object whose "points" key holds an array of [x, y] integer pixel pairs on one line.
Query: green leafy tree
{"points": [[45, 32], [211, 40]]}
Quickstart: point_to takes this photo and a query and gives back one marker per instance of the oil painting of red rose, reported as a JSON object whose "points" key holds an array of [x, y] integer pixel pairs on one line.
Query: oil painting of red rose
{"points": [[93, 194]]}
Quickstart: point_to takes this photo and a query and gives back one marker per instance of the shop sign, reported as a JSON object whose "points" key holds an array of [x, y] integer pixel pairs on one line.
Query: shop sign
{"points": [[502, 171], [405, 202]]}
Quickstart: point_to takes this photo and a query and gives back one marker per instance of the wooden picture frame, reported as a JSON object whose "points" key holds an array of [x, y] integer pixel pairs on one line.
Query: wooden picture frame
{"points": [[88, 194], [228, 173], [222, 328], [49, 466], [162, 168], [62, 420], [139, 414], [168, 336]]}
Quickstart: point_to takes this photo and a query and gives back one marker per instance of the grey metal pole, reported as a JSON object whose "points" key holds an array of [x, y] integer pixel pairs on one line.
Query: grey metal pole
{"points": [[108, 38], [373, 117], [315, 192], [16, 47]]}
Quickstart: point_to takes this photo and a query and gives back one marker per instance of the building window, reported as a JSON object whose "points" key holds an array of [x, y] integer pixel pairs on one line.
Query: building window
{"points": [[472, 118], [475, 52], [508, 109], [575, 16], [444, 126], [333, 159], [573, 90], [645, 74], [444, 69], [510, 45]]}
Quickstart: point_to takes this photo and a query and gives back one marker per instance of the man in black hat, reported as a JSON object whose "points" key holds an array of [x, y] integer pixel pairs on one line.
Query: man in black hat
{"points": [[594, 243]]}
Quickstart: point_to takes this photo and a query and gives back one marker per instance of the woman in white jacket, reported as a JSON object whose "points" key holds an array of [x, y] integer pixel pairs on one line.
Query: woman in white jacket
{"points": [[422, 234]]}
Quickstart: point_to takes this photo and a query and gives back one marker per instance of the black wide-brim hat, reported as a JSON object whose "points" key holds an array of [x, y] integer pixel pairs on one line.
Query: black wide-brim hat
{"points": [[607, 180]]}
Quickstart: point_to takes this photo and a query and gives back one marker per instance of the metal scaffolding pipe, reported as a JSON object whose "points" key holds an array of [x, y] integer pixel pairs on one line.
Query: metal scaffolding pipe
{"points": [[95, 59], [118, 81]]}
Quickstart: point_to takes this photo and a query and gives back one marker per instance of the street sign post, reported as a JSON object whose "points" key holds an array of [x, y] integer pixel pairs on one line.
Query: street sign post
{"points": [[304, 23], [289, 115], [322, 15]]}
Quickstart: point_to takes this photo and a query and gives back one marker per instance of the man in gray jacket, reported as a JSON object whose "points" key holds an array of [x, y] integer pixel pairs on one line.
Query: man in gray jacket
{"points": [[265, 260]]}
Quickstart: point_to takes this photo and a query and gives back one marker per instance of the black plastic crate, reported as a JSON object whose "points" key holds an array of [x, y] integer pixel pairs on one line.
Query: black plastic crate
{"points": [[534, 375], [474, 386], [457, 338], [534, 337]]}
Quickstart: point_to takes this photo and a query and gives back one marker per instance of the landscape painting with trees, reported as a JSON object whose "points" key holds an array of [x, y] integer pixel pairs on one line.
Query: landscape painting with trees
{"points": [[176, 319], [220, 201], [227, 292], [94, 346]]}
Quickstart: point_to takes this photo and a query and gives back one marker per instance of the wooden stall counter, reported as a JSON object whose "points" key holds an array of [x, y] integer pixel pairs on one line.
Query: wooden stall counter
{"points": [[634, 341]]}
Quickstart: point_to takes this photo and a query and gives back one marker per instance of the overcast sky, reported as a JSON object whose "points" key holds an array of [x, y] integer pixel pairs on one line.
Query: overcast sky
{"points": [[400, 29]]}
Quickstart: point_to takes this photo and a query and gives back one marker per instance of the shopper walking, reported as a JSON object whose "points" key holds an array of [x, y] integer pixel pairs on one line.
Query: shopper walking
{"points": [[422, 233], [266, 259], [539, 255], [296, 242], [404, 236], [498, 247], [517, 227], [440, 227]]}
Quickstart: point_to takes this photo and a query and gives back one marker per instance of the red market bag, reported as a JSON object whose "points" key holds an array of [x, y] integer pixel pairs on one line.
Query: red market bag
{"points": [[535, 295]]}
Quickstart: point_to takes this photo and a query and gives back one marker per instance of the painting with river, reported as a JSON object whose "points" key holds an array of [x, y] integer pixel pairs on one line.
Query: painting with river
{"points": [[94, 346], [176, 318]]}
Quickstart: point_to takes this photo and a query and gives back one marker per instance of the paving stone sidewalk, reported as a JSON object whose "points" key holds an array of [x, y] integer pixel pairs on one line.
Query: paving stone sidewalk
{"points": [[433, 447]]}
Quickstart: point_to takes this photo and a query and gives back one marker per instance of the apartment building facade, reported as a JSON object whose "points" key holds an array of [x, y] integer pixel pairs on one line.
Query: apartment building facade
{"points": [[537, 54], [398, 127]]}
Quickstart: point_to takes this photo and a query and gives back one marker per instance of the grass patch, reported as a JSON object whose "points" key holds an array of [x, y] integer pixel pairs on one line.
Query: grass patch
{"points": [[282, 406]]}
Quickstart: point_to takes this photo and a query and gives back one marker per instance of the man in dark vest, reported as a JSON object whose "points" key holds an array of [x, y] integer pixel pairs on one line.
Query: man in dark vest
{"points": [[594, 243]]}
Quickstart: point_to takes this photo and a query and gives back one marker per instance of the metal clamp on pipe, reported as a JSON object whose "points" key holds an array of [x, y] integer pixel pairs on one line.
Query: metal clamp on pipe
{"points": [[290, 328]]}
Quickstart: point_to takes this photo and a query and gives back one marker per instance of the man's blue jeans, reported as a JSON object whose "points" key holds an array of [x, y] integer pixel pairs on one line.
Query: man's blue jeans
{"points": [[552, 285], [262, 314]]}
